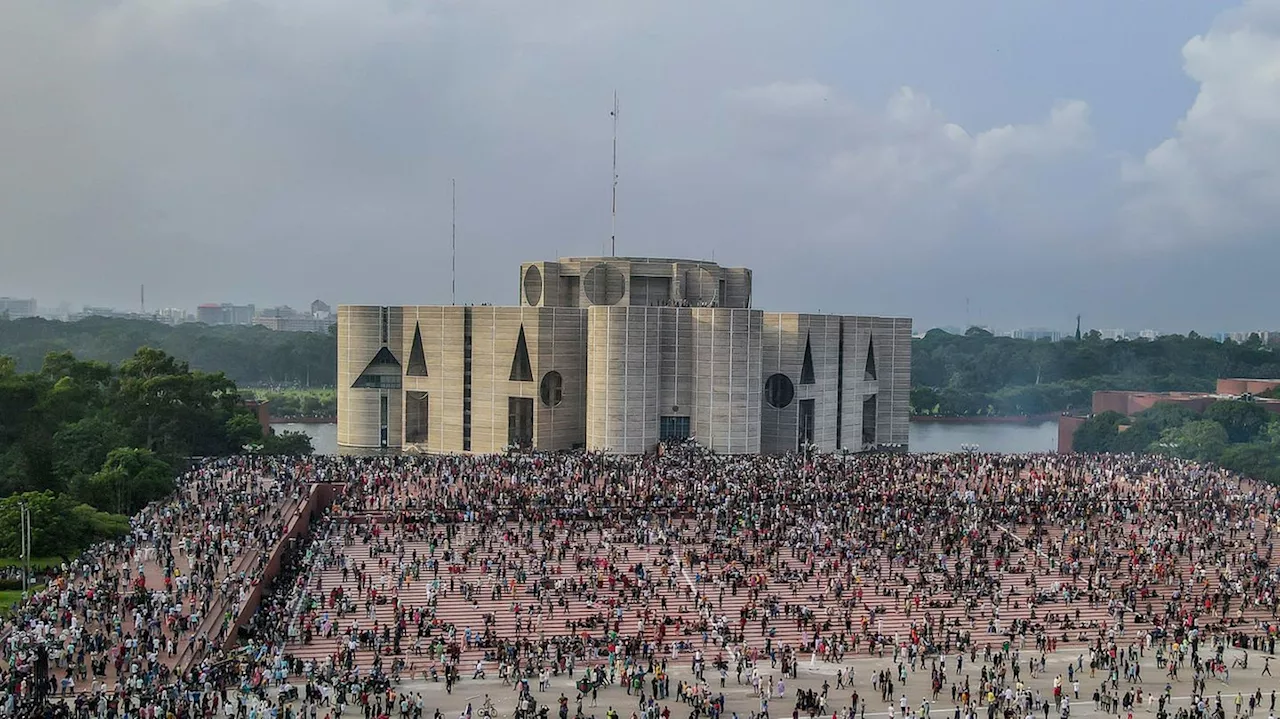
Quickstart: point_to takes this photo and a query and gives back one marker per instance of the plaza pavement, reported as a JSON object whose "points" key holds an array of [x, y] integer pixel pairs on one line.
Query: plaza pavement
{"points": [[740, 699]]}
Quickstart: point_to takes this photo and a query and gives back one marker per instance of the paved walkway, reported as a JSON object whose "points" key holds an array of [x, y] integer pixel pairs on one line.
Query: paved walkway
{"points": [[740, 699]]}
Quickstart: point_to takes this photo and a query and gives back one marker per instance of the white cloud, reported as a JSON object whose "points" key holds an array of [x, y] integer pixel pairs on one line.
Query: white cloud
{"points": [[1217, 179], [908, 172]]}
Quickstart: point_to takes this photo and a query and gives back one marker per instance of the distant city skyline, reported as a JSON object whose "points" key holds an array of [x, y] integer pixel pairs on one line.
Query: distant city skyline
{"points": [[1030, 331]]}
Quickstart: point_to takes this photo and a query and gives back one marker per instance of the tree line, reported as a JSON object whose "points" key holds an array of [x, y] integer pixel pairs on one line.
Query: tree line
{"points": [[977, 374], [293, 403], [247, 355], [85, 443], [1239, 434]]}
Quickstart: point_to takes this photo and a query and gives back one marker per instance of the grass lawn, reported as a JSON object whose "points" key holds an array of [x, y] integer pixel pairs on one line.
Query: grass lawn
{"points": [[9, 596]]}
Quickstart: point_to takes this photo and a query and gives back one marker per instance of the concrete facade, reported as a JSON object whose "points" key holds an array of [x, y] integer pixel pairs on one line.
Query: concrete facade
{"points": [[617, 355]]}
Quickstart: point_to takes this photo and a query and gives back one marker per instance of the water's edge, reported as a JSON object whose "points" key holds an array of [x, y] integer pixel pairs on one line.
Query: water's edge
{"points": [[926, 437]]}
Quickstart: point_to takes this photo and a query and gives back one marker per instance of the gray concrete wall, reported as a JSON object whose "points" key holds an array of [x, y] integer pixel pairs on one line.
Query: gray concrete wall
{"points": [[891, 337], [561, 347], [442, 342], [645, 363], [783, 348], [360, 337], [726, 374], [632, 281], [623, 362], [555, 341]]}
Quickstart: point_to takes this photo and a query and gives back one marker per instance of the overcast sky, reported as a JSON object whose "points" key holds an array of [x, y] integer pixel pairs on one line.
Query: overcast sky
{"points": [[1039, 159]]}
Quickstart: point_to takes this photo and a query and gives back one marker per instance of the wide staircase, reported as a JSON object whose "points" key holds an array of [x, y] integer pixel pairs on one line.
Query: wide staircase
{"points": [[663, 605]]}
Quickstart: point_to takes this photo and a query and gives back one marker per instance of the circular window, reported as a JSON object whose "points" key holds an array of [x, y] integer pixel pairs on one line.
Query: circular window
{"points": [[533, 285], [779, 391], [551, 389], [604, 285]]}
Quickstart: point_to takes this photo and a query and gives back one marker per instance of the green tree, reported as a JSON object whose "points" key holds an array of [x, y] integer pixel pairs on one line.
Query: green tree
{"points": [[312, 405], [1202, 440], [1135, 437], [293, 444], [130, 478], [85, 430], [97, 525], [1148, 425], [976, 370], [1163, 415], [924, 400], [54, 532], [173, 411], [1259, 460], [1242, 420], [1099, 433], [248, 355], [243, 430], [81, 447]]}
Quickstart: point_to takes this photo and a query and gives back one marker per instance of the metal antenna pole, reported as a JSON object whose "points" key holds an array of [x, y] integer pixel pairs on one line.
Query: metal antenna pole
{"points": [[453, 267], [613, 221]]}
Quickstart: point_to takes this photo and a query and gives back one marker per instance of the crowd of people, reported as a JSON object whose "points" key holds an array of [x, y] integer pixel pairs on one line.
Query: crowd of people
{"points": [[535, 563], [523, 567], [960, 544], [130, 616]]}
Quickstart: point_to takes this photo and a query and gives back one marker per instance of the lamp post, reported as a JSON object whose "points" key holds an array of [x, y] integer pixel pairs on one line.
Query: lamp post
{"points": [[24, 539]]}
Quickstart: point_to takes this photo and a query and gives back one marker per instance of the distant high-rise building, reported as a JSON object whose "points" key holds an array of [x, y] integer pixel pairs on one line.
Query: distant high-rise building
{"points": [[320, 309], [1243, 337], [225, 314], [172, 315], [209, 314], [1037, 333], [287, 319], [15, 308]]}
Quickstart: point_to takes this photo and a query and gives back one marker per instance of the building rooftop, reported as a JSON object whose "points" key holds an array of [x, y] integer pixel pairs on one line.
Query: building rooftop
{"points": [[621, 258]]}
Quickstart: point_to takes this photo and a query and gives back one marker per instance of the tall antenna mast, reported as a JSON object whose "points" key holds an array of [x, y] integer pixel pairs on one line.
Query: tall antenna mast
{"points": [[143, 298], [453, 233], [613, 221]]}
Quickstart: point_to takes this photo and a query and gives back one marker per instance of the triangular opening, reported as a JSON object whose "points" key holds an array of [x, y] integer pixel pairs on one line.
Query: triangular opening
{"points": [[806, 370], [383, 364], [417, 358], [870, 372], [521, 370], [384, 358]]}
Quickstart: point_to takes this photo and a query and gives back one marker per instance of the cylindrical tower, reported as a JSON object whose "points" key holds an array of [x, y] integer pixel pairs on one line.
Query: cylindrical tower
{"points": [[623, 359], [727, 379]]}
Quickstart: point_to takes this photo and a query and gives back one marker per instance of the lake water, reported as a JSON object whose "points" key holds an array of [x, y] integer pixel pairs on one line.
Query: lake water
{"points": [[925, 436], [324, 437], [989, 436]]}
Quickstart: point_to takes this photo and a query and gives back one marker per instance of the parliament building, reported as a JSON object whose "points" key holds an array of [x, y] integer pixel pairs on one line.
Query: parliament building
{"points": [[617, 354]]}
